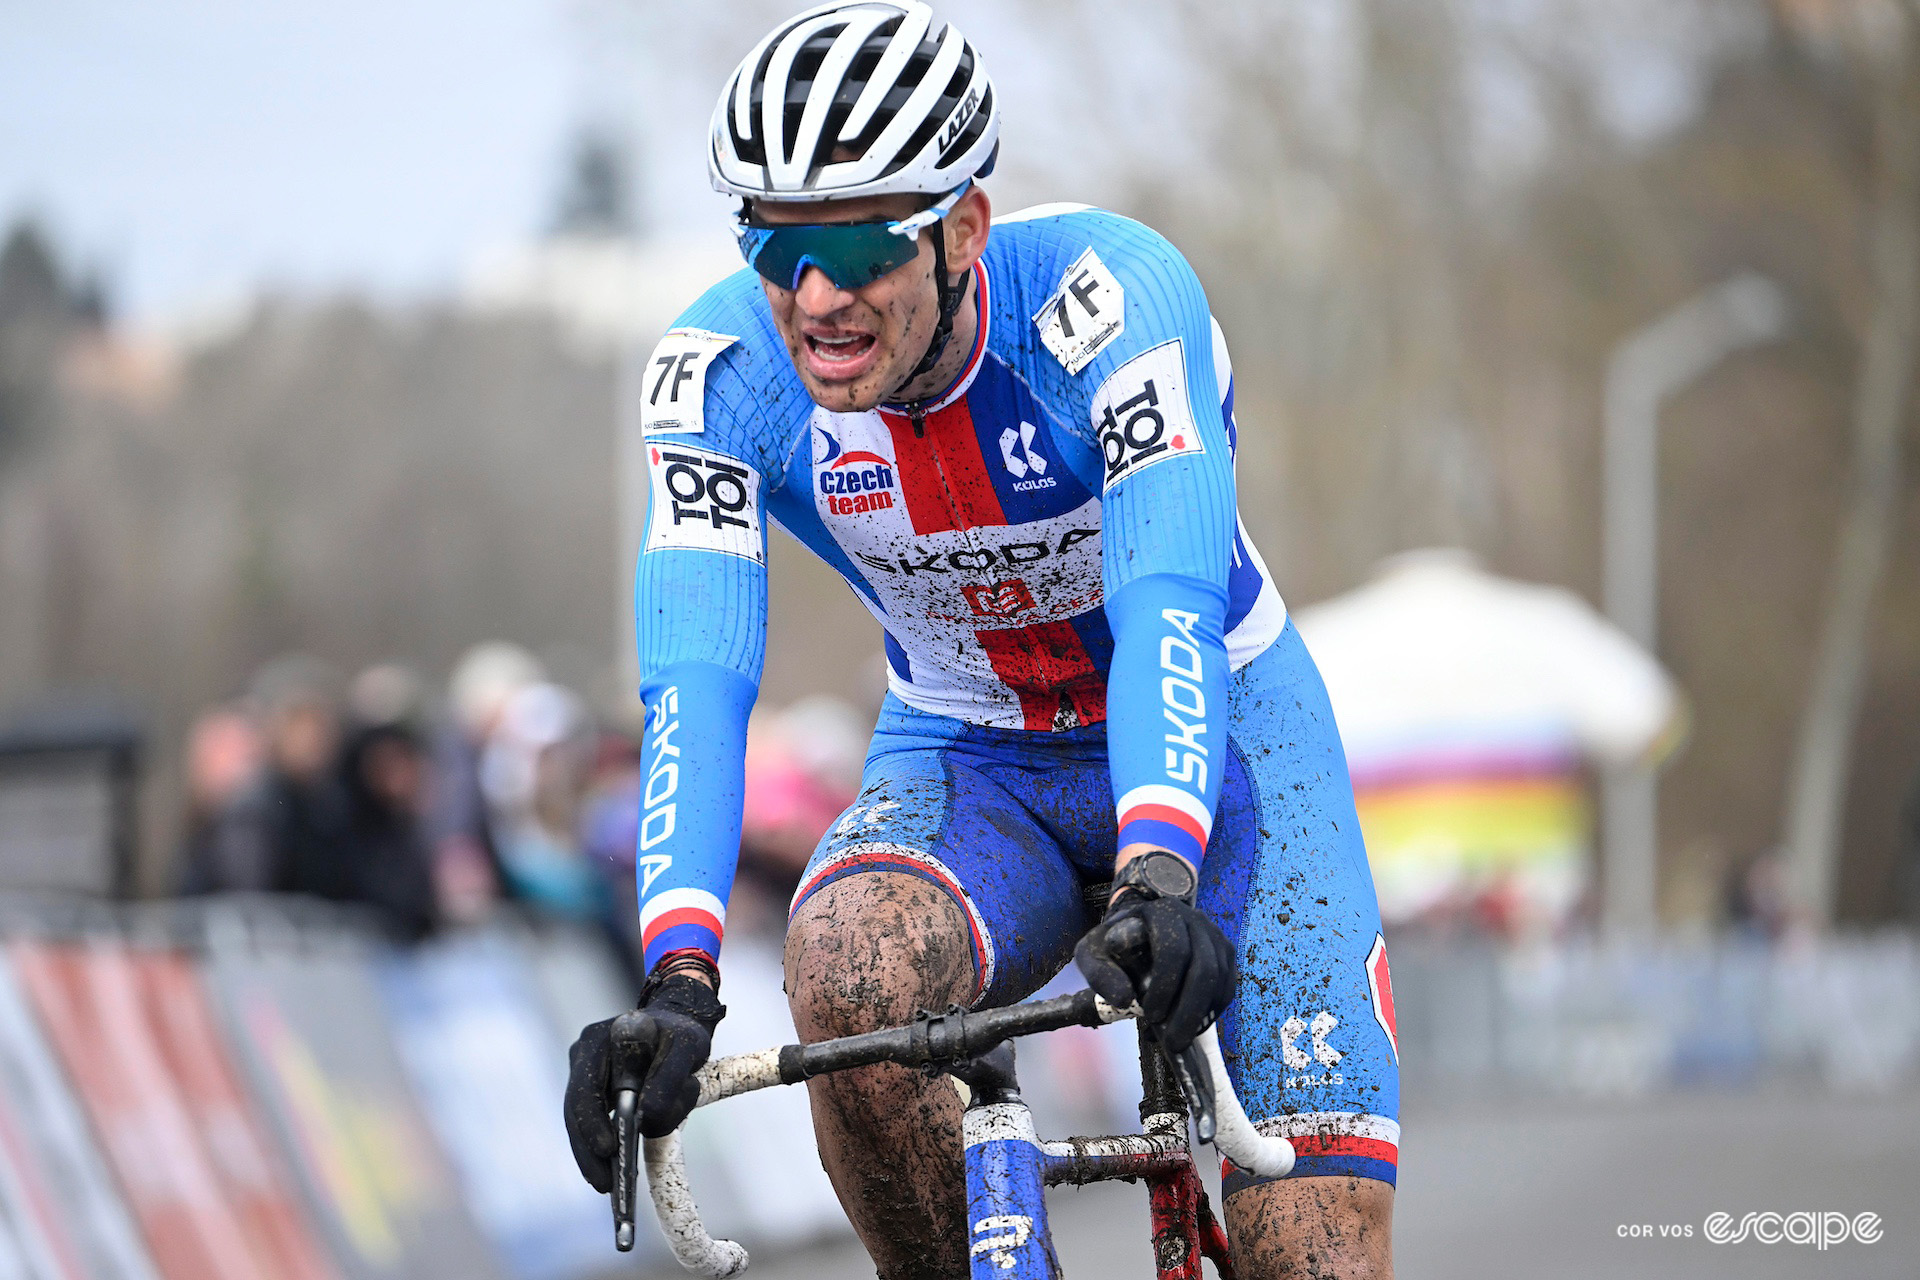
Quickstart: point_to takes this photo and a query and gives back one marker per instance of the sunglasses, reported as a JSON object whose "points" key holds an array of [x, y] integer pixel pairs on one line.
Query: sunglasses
{"points": [[851, 254]]}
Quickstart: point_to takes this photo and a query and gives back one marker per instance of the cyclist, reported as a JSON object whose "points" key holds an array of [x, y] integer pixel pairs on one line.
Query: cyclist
{"points": [[1015, 440]]}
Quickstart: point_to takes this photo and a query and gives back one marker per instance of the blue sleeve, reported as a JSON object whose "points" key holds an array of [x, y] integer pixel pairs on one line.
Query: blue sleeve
{"points": [[1167, 710], [693, 762], [700, 619], [1168, 523]]}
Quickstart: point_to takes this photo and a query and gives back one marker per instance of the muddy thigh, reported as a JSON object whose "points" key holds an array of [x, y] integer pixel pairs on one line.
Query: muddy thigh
{"points": [[862, 953]]}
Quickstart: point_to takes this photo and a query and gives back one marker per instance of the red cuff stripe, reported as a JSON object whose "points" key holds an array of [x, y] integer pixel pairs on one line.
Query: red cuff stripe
{"points": [[685, 915], [1169, 815]]}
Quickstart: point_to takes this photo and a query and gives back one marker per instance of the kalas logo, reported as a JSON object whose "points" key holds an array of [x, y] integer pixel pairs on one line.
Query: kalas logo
{"points": [[1015, 443], [854, 482]]}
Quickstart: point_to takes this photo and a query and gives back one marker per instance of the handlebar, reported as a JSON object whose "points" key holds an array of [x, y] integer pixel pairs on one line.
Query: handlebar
{"points": [[931, 1040]]}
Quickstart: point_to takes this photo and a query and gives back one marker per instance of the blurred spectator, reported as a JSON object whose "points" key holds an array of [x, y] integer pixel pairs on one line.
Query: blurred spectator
{"points": [[1758, 904], [385, 861], [609, 832], [285, 827], [803, 769], [223, 755], [459, 826], [387, 693], [534, 777], [610, 811]]}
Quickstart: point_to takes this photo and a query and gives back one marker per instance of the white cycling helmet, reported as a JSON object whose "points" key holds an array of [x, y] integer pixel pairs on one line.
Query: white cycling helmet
{"points": [[911, 104]]}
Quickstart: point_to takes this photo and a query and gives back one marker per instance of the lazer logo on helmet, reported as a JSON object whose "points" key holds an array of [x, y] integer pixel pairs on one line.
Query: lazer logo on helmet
{"points": [[1142, 415], [960, 118]]}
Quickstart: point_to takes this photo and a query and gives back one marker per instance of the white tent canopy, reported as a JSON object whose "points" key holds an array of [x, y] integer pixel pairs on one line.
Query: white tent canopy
{"points": [[1437, 652]]}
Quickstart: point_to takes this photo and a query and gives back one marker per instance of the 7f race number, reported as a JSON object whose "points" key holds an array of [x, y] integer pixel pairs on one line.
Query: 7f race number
{"points": [[673, 390]]}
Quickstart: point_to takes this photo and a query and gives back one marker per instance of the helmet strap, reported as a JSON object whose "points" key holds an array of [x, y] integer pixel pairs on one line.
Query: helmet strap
{"points": [[950, 296]]}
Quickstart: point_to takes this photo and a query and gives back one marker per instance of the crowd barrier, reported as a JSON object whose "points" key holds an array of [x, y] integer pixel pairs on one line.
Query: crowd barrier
{"points": [[252, 1090], [1583, 1018]]}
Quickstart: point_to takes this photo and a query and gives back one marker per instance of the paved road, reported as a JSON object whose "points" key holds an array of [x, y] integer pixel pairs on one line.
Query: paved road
{"points": [[1536, 1189]]}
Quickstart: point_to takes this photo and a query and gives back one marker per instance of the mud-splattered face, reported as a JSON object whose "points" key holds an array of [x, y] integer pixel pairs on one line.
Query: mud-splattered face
{"points": [[854, 348]]}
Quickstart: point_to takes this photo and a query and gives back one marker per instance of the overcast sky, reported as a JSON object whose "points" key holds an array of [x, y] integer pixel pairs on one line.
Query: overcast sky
{"points": [[197, 147]]}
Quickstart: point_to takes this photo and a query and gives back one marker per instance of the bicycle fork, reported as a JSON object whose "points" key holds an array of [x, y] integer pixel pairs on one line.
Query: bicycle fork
{"points": [[1009, 1168], [1007, 1235], [1184, 1228]]}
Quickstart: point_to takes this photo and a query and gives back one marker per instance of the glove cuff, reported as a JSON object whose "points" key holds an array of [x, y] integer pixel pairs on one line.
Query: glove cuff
{"points": [[685, 995]]}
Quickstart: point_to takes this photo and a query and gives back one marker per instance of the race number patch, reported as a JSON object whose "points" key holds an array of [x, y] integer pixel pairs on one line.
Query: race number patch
{"points": [[1142, 415], [702, 502], [673, 388], [1087, 313]]}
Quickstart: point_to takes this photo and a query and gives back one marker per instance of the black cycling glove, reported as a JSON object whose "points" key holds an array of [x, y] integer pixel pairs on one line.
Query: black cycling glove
{"points": [[655, 1050], [1175, 964]]}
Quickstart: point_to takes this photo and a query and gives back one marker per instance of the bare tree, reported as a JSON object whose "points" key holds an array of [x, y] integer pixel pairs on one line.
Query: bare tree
{"points": [[1880, 40]]}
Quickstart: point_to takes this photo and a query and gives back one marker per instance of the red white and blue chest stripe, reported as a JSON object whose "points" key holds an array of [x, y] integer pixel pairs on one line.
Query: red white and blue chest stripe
{"points": [[978, 544]]}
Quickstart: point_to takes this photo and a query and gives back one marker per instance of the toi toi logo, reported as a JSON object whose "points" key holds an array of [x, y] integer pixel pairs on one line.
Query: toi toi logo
{"points": [[1805, 1227]]}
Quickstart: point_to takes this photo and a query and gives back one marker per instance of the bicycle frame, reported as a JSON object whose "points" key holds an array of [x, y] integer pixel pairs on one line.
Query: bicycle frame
{"points": [[1008, 1166]]}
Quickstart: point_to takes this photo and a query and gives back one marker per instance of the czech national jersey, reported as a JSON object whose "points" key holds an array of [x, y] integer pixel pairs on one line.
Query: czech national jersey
{"points": [[1050, 543]]}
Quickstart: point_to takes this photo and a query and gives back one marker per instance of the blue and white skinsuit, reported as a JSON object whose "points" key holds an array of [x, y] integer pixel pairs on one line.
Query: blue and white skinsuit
{"points": [[1052, 548]]}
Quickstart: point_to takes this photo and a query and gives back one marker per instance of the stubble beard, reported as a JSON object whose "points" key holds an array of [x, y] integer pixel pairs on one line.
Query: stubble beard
{"points": [[882, 386]]}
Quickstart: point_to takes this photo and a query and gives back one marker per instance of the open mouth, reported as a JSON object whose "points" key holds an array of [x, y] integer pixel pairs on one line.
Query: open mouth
{"points": [[840, 350]]}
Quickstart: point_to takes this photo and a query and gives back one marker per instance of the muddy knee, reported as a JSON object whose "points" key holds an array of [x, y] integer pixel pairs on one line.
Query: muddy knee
{"points": [[869, 950]]}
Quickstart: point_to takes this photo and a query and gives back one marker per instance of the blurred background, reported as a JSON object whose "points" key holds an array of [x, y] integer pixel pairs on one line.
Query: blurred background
{"points": [[1574, 344]]}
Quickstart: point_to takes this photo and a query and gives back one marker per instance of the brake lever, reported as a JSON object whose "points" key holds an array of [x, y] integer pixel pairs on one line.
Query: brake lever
{"points": [[1196, 1084], [1128, 939], [626, 1165]]}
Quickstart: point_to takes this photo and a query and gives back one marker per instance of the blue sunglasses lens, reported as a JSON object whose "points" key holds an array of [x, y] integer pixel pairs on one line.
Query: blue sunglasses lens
{"points": [[851, 254]]}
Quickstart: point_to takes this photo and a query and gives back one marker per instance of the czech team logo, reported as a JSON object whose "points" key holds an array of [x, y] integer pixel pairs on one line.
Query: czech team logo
{"points": [[854, 481]]}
